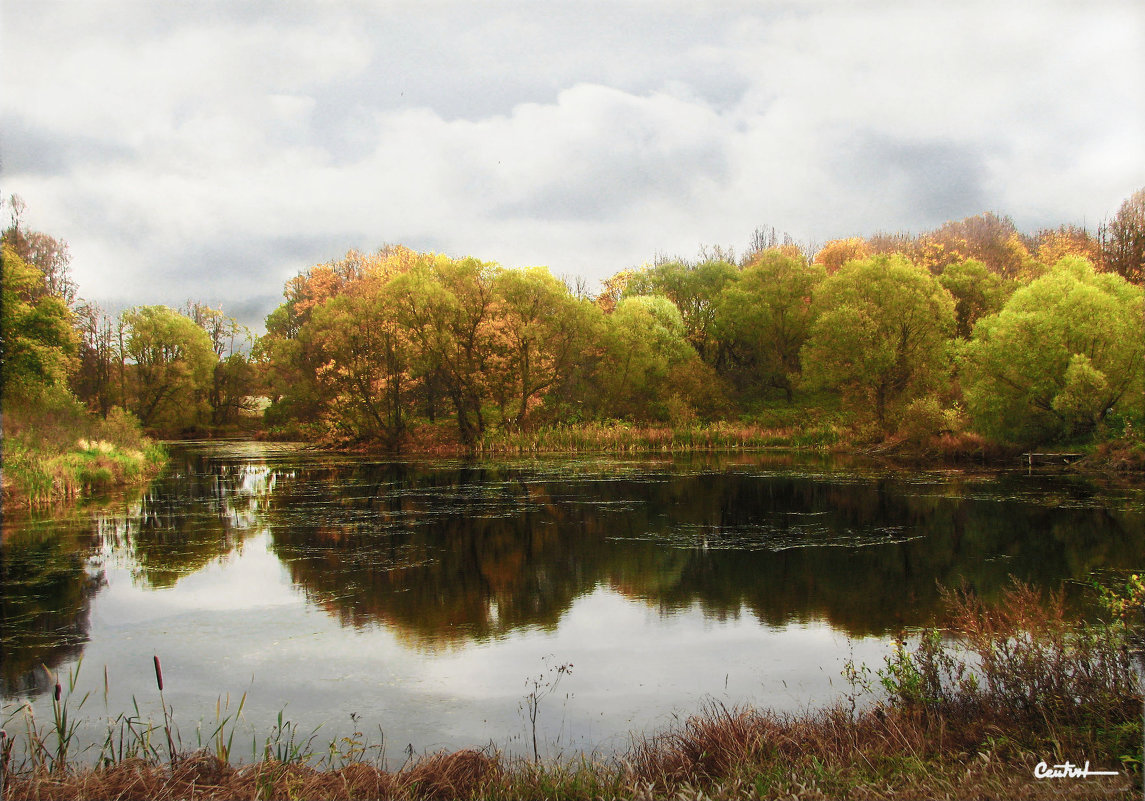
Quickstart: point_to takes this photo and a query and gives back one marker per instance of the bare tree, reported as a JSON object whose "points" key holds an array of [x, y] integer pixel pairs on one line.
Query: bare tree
{"points": [[1123, 239]]}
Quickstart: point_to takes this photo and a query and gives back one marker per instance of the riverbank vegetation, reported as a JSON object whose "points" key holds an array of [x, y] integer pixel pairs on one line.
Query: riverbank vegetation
{"points": [[969, 710], [969, 341], [53, 447]]}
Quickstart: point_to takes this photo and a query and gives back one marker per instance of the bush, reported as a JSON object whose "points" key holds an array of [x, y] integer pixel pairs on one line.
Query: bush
{"points": [[924, 419], [1022, 658], [121, 428]]}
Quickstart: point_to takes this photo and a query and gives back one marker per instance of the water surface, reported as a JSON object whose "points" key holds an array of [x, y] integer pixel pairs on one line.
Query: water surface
{"points": [[421, 602]]}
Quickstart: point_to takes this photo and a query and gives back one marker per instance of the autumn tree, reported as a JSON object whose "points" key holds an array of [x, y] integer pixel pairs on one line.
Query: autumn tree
{"points": [[613, 288], [1051, 245], [880, 333], [46, 253], [765, 317], [286, 356], [838, 252], [994, 241], [366, 357], [545, 331], [1064, 353], [765, 237]]}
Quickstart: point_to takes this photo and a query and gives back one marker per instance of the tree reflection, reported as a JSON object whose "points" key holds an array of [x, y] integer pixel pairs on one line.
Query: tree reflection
{"points": [[445, 555], [51, 568], [198, 514], [46, 588]]}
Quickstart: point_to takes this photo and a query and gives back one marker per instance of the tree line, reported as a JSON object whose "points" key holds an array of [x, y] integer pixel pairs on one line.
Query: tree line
{"points": [[972, 327]]}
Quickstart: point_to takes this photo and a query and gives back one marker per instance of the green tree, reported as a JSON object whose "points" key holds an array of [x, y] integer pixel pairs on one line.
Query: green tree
{"points": [[234, 379], [646, 345], [880, 334], [976, 291], [1063, 354], [545, 330], [765, 316], [38, 344], [695, 289], [447, 306], [172, 364]]}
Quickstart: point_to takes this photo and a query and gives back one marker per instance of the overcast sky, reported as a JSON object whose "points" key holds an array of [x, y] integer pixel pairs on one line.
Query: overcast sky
{"points": [[213, 150]]}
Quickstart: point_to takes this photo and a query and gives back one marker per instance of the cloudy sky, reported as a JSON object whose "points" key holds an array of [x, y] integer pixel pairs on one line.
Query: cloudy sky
{"points": [[212, 150]]}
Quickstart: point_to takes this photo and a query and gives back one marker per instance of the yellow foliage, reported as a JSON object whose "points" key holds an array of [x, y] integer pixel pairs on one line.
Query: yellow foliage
{"points": [[838, 252]]}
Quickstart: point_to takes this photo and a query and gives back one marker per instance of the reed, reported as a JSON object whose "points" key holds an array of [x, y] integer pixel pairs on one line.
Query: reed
{"points": [[171, 752], [623, 437]]}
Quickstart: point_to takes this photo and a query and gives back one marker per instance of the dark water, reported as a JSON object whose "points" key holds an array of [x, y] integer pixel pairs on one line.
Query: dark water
{"points": [[417, 602]]}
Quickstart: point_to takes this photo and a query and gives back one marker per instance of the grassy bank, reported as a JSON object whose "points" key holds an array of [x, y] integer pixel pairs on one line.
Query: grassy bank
{"points": [[969, 711], [823, 432], [621, 437], [55, 451]]}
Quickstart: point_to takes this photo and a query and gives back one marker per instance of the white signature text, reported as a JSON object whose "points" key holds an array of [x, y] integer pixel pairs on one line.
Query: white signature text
{"points": [[1068, 770]]}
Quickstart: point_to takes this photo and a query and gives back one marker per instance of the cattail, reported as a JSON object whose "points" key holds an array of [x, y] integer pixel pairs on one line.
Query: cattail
{"points": [[59, 691], [158, 673]]}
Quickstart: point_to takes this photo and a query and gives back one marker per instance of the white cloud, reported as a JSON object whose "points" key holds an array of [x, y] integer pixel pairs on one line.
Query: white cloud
{"points": [[214, 154]]}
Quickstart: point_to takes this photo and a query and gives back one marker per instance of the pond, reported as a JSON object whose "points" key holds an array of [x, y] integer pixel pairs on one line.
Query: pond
{"points": [[421, 605]]}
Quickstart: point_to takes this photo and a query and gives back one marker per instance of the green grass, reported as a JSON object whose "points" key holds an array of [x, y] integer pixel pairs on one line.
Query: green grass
{"points": [[53, 450]]}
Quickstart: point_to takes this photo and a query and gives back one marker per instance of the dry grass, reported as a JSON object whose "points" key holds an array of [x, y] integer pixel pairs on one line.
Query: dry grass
{"points": [[620, 437], [54, 451], [719, 754], [463, 774]]}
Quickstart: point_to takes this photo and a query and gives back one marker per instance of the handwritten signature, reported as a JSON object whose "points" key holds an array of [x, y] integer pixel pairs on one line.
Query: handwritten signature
{"points": [[1068, 770]]}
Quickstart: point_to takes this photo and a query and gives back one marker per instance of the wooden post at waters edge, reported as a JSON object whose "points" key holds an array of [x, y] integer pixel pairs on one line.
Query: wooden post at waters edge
{"points": [[1051, 458]]}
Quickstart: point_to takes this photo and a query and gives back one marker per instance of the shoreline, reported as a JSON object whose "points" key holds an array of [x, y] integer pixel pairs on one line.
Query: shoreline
{"points": [[97, 472], [1059, 691]]}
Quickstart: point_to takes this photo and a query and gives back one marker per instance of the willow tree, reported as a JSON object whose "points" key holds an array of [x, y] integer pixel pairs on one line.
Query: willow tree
{"points": [[880, 333], [765, 316], [977, 292], [545, 333], [1064, 353], [173, 363], [645, 345]]}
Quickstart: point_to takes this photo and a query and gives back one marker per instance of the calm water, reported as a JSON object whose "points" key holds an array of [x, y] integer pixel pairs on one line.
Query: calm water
{"points": [[418, 602]]}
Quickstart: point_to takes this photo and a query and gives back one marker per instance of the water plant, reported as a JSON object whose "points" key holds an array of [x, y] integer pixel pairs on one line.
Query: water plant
{"points": [[542, 685]]}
